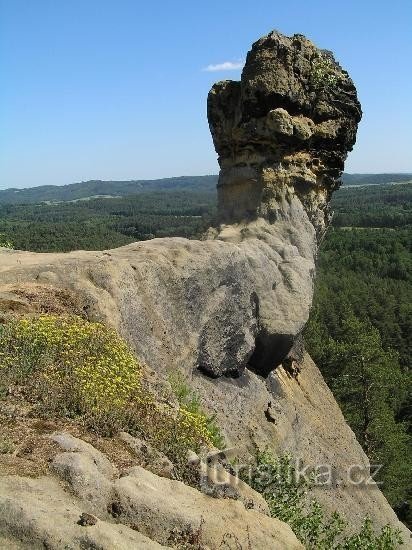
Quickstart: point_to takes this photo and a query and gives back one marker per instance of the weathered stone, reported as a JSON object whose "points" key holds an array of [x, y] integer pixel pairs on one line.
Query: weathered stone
{"points": [[216, 481], [87, 519], [268, 120], [37, 514], [149, 457], [86, 481], [280, 121], [235, 302], [217, 305], [305, 422], [303, 127], [160, 506], [75, 445], [85, 469]]}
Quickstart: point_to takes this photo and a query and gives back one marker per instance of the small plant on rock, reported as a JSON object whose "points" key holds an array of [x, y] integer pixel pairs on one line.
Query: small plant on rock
{"points": [[324, 73], [190, 403], [67, 366], [287, 496], [5, 242]]}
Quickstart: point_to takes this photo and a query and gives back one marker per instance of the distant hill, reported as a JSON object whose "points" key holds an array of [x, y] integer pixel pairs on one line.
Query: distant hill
{"points": [[98, 188], [374, 179]]}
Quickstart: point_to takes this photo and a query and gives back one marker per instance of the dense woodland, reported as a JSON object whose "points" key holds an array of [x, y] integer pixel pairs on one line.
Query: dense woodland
{"points": [[360, 331], [107, 223], [98, 188]]}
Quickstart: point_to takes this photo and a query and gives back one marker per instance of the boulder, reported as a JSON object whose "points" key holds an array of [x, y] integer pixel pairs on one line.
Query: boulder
{"points": [[95, 509], [37, 514], [160, 506], [86, 470], [86, 481], [75, 445]]}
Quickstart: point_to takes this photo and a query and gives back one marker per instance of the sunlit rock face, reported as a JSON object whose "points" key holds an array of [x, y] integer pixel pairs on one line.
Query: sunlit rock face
{"points": [[226, 310], [282, 135], [238, 299], [283, 131]]}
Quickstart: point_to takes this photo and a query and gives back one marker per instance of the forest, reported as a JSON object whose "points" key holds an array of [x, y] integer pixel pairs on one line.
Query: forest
{"points": [[360, 329], [103, 223]]}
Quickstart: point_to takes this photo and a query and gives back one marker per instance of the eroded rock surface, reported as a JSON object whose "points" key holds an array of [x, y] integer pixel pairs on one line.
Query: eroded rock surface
{"points": [[191, 304], [296, 413], [230, 307], [136, 510], [283, 131]]}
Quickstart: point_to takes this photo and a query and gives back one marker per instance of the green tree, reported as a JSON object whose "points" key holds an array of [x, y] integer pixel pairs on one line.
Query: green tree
{"points": [[371, 388]]}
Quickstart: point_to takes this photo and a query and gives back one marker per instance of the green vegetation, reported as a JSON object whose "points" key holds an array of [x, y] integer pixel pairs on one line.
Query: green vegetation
{"points": [[371, 387], [68, 367], [374, 206], [360, 330], [100, 224], [4, 243], [287, 496], [94, 188], [86, 190], [36, 219], [69, 363], [190, 401], [325, 73], [375, 179]]}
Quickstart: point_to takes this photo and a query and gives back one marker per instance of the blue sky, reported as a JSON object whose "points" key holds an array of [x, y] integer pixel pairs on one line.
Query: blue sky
{"points": [[116, 89]]}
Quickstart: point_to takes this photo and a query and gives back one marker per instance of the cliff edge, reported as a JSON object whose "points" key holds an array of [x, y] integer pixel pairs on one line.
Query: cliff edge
{"points": [[227, 311]]}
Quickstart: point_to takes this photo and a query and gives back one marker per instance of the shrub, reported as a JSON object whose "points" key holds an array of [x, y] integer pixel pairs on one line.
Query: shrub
{"points": [[366, 539], [68, 363], [287, 496], [68, 366], [4, 242], [190, 403]]}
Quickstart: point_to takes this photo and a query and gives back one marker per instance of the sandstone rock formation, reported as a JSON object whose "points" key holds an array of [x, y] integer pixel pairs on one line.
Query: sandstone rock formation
{"points": [[242, 297], [139, 510], [298, 415], [283, 132], [188, 304], [227, 310]]}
